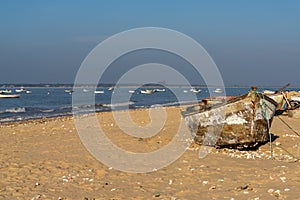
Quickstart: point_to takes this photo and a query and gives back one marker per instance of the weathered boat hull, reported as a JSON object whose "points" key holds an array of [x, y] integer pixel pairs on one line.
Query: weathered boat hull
{"points": [[279, 99], [240, 122]]}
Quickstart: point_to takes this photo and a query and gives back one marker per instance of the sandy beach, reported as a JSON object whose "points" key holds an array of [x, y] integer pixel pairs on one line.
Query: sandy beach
{"points": [[45, 159]]}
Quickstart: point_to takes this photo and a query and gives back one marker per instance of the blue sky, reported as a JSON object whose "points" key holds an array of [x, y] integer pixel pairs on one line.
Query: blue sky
{"points": [[252, 42]]}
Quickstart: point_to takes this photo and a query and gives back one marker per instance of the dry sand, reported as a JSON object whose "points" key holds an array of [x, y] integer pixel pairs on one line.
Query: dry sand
{"points": [[45, 159]]}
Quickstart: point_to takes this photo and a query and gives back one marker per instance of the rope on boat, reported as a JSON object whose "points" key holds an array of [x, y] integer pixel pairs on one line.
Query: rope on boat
{"points": [[295, 157], [264, 111], [265, 116]]}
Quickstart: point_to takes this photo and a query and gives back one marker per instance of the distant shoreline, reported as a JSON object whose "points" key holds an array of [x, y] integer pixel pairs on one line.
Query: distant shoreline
{"points": [[127, 86]]}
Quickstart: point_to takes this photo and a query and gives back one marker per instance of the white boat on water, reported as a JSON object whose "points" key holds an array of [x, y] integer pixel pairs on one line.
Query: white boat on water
{"points": [[99, 92], [20, 90], [159, 90], [146, 91], [218, 90], [69, 91], [194, 90], [6, 91], [9, 95], [28, 92]]}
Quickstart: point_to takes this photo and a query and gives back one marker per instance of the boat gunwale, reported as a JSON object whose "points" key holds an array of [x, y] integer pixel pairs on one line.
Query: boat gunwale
{"points": [[204, 108]]}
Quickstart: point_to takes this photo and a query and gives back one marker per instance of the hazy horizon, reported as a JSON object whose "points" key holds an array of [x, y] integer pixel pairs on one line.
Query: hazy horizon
{"points": [[128, 85]]}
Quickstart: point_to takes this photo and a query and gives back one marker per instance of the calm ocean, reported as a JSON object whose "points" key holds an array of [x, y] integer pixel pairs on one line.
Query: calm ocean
{"points": [[52, 102]]}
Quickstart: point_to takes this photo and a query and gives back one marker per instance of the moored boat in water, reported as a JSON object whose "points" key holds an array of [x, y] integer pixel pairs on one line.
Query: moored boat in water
{"points": [[146, 91], [9, 95], [99, 92], [131, 91], [6, 91], [218, 91], [22, 89], [240, 122], [194, 90], [69, 91], [159, 90]]}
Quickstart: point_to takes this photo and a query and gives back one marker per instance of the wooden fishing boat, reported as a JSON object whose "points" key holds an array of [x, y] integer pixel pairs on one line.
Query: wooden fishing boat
{"points": [[279, 99], [241, 122]]}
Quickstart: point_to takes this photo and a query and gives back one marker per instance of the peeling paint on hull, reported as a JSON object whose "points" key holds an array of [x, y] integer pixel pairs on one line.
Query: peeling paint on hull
{"points": [[241, 122]]}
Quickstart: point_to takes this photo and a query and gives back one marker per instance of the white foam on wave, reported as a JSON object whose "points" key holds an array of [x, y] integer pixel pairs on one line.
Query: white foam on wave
{"points": [[13, 110], [119, 104]]}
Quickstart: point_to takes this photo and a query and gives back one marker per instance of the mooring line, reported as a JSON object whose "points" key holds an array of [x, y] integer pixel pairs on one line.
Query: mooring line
{"points": [[296, 158], [288, 126]]}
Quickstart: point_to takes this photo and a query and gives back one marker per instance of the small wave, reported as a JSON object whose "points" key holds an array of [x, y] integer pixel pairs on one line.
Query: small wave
{"points": [[13, 110], [141, 106], [119, 104], [11, 119], [187, 102], [82, 106], [47, 111], [156, 106]]}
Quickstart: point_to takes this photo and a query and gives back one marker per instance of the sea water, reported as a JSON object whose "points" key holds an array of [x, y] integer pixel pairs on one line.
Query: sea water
{"points": [[52, 102]]}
